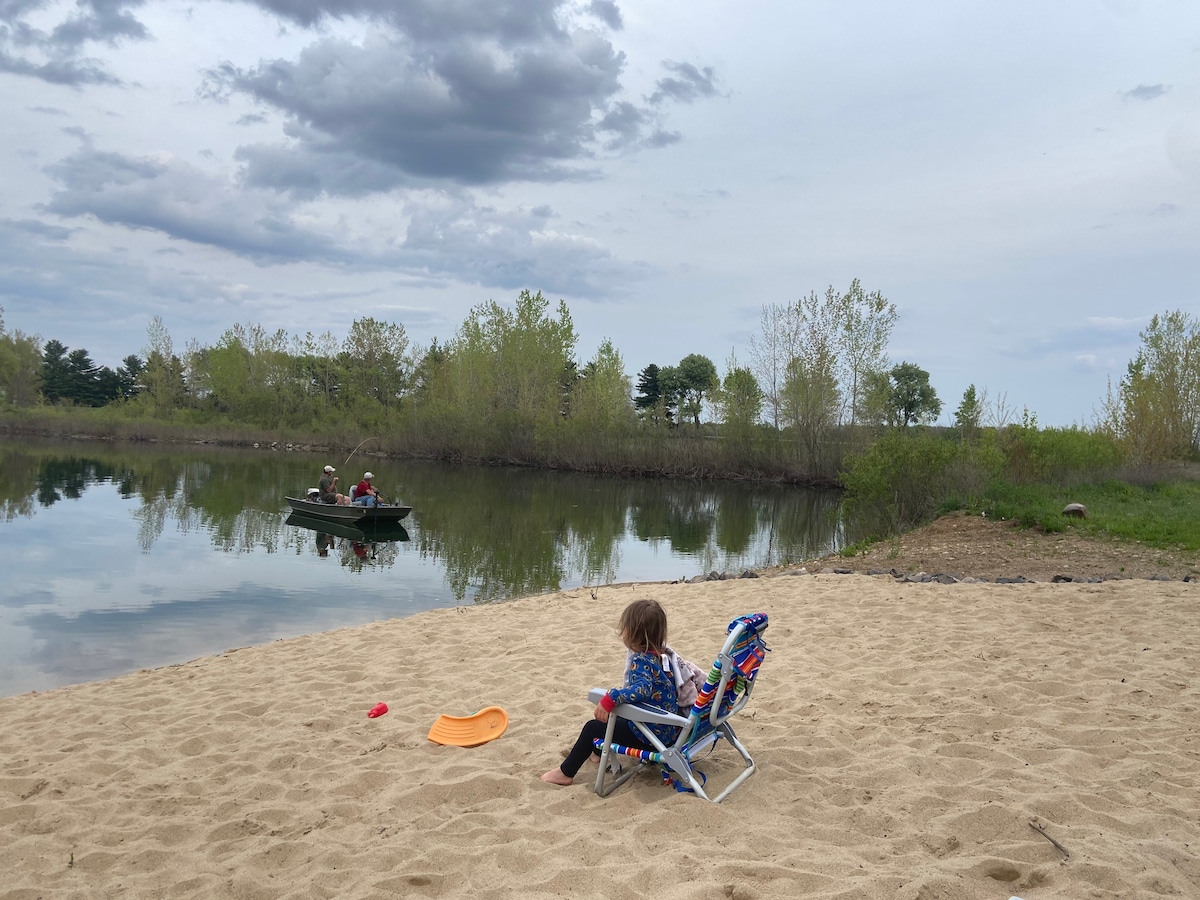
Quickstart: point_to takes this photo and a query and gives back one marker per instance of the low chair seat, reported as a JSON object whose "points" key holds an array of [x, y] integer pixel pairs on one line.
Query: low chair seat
{"points": [[726, 691]]}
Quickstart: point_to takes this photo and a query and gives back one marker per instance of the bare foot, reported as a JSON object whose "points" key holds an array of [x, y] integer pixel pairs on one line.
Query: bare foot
{"points": [[556, 776]]}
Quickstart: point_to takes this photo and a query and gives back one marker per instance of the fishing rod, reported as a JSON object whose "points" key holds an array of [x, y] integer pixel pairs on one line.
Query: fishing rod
{"points": [[356, 449]]}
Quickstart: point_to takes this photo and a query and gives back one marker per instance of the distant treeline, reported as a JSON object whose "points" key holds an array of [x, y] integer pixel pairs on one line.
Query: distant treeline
{"points": [[816, 402]]}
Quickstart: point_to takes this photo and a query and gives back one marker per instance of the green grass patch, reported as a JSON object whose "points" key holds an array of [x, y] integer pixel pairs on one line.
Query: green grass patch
{"points": [[1165, 515]]}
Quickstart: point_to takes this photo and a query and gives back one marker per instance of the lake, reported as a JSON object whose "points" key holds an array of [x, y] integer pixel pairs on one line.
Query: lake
{"points": [[123, 557]]}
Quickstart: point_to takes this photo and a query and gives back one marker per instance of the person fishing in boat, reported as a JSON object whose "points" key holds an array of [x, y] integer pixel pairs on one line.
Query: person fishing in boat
{"points": [[365, 493], [327, 489]]}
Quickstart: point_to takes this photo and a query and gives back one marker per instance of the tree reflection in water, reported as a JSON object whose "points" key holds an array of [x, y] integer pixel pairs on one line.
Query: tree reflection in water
{"points": [[496, 532]]}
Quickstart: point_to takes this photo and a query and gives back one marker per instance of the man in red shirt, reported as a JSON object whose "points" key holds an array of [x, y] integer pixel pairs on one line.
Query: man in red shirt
{"points": [[365, 494]]}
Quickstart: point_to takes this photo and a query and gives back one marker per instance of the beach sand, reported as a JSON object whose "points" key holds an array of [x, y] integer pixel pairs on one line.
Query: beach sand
{"points": [[907, 735]]}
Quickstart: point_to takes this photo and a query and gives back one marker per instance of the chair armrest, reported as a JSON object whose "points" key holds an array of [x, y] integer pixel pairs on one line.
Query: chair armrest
{"points": [[635, 713]]}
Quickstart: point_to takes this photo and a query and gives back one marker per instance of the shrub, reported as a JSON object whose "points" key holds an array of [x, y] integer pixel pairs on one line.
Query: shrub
{"points": [[898, 482]]}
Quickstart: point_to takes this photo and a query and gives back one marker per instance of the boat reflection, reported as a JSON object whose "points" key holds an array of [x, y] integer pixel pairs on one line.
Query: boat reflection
{"points": [[368, 533]]}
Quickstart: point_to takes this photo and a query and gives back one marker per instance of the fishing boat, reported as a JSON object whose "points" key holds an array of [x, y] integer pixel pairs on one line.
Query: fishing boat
{"points": [[353, 513], [369, 531]]}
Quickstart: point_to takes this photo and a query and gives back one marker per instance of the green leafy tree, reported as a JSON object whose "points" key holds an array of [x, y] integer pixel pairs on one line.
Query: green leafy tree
{"points": [[252, 376], [697, 380], [319, 366], [740, 400], [508, 373], [810, 403], [163, 389], [912, 399], [1155, 414], [376, 363], [771, 352], [812, 394], [601, 399], [842, 336], [865, 321], [670, 386], [20, 367]]}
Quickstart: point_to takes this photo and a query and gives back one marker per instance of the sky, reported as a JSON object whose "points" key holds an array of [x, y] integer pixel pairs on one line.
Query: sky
{"points": [[1021, 180]]}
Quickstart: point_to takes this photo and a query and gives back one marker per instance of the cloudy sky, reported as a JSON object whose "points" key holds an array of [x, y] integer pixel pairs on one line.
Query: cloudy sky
{"points": [[1022, 180]]}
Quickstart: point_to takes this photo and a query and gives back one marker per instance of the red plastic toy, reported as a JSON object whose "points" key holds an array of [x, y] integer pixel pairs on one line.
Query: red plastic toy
{"points": [[377, 710]]}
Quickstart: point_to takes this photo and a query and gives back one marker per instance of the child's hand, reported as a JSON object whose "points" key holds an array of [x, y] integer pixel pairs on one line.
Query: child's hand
{"points": [[600, 714]]}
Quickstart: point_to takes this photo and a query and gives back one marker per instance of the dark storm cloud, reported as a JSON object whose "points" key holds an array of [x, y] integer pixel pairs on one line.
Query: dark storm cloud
{"points": [[1146, 92], [457, 113], [55, 56], [450, 93]]}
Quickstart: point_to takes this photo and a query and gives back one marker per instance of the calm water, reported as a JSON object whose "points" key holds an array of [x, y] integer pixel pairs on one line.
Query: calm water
{"points": [[121, 558]]}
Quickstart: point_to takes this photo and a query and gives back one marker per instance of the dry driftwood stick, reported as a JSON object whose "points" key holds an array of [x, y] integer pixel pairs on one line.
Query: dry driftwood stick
{"points": [[1042, 831]]}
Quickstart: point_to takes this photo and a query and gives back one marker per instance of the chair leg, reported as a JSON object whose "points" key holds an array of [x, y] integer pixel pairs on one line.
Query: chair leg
{"points": [[604, 754], [729, 735], [635, 765]]}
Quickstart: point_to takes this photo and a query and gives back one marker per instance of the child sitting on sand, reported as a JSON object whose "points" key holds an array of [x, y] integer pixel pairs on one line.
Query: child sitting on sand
{"points": [[644, 631]]}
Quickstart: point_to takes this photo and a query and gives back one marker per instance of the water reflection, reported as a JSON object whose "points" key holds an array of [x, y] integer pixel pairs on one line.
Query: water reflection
{"points": [[127, 556], [497, 532], [369, 544]]}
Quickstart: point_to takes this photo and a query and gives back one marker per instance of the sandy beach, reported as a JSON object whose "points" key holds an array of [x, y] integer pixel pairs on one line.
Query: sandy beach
{"points": [[909, 737]]}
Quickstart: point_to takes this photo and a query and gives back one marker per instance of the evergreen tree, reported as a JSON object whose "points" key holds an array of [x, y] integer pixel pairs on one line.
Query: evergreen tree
{"points": [[968, 414], [648, 393], [128, 373], [56, 379]]}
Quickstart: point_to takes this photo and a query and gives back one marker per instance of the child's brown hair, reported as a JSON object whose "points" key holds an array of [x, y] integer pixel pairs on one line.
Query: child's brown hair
{"points": [[644, 626]]}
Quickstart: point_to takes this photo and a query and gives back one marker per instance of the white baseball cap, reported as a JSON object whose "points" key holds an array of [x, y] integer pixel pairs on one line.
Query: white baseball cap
{"points": [[367, 476], [329, 469]]}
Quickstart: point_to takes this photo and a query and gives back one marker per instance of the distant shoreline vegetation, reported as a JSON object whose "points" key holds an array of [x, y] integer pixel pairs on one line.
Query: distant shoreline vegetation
{"points": [[817, 404]]}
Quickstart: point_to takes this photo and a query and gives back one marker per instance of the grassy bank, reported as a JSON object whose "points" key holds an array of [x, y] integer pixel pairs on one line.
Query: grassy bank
{"points": [[1024, 475], [664, 453], [1162, 512]]}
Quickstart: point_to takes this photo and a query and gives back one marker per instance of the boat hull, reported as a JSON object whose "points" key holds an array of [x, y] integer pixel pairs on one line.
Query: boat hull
{"points": [[358, 515]]}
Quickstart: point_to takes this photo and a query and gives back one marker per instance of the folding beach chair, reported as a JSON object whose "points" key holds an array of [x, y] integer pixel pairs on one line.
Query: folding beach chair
{"points": [[726, 690]]}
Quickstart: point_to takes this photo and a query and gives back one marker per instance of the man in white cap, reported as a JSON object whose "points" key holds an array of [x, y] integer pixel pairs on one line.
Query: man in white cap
{"points": [[365, 494], [327, 488]]}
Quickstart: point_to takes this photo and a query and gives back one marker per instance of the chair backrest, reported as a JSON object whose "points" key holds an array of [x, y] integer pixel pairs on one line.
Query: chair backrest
{"points": [[731, 679], [353, 490]]}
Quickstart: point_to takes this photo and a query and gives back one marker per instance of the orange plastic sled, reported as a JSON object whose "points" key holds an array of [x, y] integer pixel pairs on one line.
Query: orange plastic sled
{"points": [[470, 731]]}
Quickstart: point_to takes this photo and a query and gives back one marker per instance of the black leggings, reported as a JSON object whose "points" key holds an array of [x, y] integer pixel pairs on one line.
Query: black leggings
{"points": [[595, 729]]}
